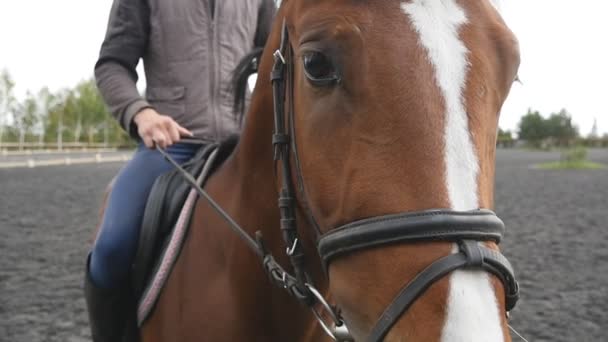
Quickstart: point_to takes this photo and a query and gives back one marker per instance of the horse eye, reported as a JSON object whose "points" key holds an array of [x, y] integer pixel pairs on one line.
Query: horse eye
{"points": [[319, 69]]}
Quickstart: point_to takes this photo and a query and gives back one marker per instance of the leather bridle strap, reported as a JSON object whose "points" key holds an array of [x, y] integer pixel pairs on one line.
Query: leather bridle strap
{"points": [[472, 255], [276, 273], [467, 228], [427, 225], [281, 142]]}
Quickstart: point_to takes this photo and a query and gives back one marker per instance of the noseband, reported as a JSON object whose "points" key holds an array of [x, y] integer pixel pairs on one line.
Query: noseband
{"points": [[468, 229]]}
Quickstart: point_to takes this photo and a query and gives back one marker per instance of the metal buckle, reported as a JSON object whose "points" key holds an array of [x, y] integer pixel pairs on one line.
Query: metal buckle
{"points": [[279, 56], [292, 249], [342, 334], [338, 331]]}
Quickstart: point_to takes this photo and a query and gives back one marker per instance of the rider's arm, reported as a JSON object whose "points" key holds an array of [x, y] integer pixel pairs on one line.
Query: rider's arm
{"points": [[124, 44]]}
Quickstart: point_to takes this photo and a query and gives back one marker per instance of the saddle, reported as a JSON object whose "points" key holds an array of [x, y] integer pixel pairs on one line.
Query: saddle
{"points": [[168, 213]]}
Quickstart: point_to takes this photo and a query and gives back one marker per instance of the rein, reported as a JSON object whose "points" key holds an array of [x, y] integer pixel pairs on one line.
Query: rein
{"points": [[468, 229], [276, 272]]}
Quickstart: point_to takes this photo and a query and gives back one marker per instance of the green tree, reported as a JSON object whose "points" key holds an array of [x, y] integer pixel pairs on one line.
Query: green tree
{"points": [[532, 128], [7, 101], [560, 127], [505, 138], [30, 116], [45, 102], [26, 117], [504, 135], [91, 110], [80, 115], [557, 129], [76, 114], [54, 125]]}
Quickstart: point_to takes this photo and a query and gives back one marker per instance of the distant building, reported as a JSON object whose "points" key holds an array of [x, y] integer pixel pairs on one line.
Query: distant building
{"points": [[594, 131]]}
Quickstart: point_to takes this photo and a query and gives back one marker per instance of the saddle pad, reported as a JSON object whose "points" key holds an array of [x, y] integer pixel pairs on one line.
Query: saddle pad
{"points": [[158, 276], [164, 204], [166, 222]]}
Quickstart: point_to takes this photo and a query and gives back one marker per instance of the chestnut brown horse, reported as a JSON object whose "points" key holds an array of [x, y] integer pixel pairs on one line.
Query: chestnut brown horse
{"points": [[394, 106]]}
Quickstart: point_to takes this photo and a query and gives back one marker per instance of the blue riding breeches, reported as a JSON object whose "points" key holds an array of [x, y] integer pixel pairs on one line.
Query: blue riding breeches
{"points": [[116, 242]]}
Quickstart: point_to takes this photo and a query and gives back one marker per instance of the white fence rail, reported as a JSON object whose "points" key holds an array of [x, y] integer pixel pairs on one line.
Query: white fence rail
{"points": [[13, 146], [96, 158]]}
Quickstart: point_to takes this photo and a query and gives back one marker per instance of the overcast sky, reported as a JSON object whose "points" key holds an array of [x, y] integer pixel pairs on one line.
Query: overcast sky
{"points": [[55, 43]]}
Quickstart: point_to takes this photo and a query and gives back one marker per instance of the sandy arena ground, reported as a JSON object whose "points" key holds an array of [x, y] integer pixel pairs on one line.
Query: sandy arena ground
{"points": [[557, 239]]}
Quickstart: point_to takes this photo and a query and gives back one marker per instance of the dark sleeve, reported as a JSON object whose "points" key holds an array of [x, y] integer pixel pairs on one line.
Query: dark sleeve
{"points": [[124, 45], [265, 17]]}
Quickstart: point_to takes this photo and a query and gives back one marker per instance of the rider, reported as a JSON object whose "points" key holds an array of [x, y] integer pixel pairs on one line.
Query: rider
{"points": [[189, 49]]}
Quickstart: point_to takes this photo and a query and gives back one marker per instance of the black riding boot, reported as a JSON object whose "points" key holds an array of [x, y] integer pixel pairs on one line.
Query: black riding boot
{"points": [[111, 312]]}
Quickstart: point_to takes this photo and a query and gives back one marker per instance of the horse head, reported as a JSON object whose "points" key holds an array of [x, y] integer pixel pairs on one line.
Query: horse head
{"points": [[384, 136], [393, 108]]}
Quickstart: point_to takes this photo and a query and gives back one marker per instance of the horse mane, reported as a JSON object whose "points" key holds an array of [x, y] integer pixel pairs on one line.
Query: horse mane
{"points": [[240, 76]]}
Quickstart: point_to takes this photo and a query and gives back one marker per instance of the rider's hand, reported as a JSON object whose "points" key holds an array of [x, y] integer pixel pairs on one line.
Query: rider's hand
{"points": [[155, 128]]}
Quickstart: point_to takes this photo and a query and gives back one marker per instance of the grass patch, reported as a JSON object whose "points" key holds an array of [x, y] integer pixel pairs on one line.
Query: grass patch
{"points": [[572, 159], [571, 165]]}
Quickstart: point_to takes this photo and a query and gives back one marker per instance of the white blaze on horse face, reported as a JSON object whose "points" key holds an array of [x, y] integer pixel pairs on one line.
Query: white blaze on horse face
{"points": [[472, 311], [438, 22]]}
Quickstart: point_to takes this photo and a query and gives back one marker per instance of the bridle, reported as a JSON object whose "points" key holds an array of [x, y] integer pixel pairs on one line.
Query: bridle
{"points": [[467, 228]]}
